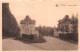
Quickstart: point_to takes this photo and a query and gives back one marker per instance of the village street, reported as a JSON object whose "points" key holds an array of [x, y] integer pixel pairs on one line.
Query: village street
{"points": [[51, 43]]}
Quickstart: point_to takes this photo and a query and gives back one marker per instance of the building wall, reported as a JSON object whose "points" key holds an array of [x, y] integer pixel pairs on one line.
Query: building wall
{"points": [[27, 29], [56, 33]]}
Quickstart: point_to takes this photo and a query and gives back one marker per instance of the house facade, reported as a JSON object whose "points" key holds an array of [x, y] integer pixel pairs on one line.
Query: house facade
{"points": [[28, 27]]}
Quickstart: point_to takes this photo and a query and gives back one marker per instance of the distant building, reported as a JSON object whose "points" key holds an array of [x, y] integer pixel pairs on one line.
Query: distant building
{"points": [[28, 27], [56, 33]]}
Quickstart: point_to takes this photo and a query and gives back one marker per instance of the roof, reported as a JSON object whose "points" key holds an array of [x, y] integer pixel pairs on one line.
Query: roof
{"points": [[27, 20]]}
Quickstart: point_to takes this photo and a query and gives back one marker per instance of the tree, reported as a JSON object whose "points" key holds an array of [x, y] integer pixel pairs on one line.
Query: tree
{"points": [[43, 30], [9, 23], [60, 25], [74, 22], [66, 21], [63, 24]]}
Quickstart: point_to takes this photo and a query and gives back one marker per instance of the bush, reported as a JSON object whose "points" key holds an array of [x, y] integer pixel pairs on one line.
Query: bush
{"points": [[32, 38], [69, 36]]}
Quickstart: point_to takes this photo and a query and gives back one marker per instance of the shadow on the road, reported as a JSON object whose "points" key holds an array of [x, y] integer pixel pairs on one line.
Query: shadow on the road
{"points": [[28, 41], [6, 37]]}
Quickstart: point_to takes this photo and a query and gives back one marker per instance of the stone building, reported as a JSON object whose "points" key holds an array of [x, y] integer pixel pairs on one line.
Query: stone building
{"points": [[28, 27]]}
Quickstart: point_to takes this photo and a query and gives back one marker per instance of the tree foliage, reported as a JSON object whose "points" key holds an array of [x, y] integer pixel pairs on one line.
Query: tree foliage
{"points": [[74, 22], [45, 31], [66, 21], [9, 23], [71, 25]]}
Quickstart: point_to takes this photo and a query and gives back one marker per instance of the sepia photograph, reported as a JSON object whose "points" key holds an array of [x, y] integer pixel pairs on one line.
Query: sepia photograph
{"points": [[40, 25]]}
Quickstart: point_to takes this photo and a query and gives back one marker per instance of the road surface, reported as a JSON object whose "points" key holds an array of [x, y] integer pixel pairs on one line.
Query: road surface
{"points": [[50, 44]]}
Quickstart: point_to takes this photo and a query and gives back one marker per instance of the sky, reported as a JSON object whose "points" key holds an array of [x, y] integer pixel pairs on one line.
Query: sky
{"points": [[44, 12]]}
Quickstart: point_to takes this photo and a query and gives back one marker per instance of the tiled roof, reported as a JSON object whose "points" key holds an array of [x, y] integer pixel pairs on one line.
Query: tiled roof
{"points": [[27, 20]]}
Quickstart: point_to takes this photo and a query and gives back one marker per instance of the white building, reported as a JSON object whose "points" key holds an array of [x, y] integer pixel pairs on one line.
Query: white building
{"points": [[56, 33], [28, 27]]}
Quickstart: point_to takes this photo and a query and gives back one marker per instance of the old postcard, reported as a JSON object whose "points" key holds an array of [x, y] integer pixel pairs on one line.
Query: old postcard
{"points": [[40, 25]]}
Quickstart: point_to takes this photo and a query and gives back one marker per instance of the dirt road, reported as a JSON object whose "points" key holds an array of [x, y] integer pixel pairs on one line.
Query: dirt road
{"points": [[50, 44]]}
